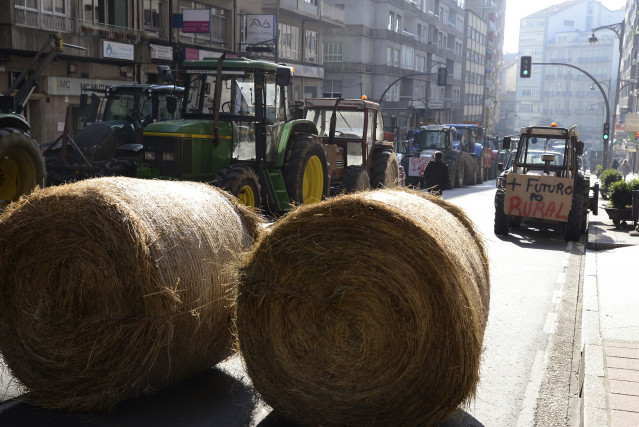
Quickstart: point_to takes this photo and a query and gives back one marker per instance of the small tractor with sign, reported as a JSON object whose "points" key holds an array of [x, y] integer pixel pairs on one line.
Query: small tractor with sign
{"points": [[358, 154], [112, 144], [426, 140], [544, 183], [238, 132]]}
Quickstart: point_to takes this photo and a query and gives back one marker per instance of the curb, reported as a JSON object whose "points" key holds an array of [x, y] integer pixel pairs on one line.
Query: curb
{"points": [[592, 373]]}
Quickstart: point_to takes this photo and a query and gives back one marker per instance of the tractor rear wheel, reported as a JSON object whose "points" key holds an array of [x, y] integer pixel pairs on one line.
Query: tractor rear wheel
{"points": [[242, 182], [501, 219], [355, 178], [385, 169], [22, 166], [305, 170], [460, 174]]}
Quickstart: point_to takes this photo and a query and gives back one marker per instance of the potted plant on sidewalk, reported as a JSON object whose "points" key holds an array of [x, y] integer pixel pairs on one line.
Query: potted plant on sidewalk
{"points": [[620, 205], [606, 179]]}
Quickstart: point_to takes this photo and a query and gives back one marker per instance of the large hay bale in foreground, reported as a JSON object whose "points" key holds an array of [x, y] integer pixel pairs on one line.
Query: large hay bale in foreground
{"points": [[114, 287], [367, 309]]}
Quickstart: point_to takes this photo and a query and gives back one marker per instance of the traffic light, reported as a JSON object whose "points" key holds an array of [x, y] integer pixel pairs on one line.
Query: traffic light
{"points": [[606, 131], [524, 67], [442, 74]]}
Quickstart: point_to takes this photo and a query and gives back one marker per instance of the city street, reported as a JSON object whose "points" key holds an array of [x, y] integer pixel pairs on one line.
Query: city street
{"points": [[529, 366]]}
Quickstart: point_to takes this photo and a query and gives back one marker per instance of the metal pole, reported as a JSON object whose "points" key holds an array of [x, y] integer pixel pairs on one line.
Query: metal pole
{"points": [[614, 112]]}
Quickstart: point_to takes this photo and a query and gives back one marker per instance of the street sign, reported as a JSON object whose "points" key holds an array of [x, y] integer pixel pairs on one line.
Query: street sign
{"points": [[632, 122]]}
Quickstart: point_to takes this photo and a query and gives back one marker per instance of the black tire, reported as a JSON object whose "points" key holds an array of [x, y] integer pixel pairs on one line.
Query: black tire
{"points": [[355, 178], [573, 226], [459, 180], [306, 160], [385, 169], [501, 219], [452, 171], [473, 178], [583, 188], [22, 165], [242, 182]]}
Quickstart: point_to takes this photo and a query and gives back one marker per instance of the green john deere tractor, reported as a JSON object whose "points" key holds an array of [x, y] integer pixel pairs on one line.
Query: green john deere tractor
{"points": [[238, 132]]}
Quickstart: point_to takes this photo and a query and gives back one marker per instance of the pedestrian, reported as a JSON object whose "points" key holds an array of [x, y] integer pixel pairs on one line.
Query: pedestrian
{"points": [[436, 174], [625, 168], [615, 164]]}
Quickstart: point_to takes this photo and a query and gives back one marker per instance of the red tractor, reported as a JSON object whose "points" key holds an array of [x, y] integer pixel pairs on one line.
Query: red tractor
{"points": [[359, 155]]}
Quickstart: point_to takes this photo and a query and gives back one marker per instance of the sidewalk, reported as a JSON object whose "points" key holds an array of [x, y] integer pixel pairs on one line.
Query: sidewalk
{"points": [[610, 325]]}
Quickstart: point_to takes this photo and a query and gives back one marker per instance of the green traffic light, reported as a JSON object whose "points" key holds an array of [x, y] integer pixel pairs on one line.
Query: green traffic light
{"points": [[605, 136], [525, 72]]}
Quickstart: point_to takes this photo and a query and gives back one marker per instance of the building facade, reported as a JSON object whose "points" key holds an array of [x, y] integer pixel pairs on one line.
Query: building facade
{"points": [[390, 51], [124, 41]]}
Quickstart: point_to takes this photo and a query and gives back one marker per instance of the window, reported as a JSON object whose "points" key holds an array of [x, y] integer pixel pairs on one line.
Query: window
{"points": [[289, 42], [391, 20], [332, 89], [55, 7], [333, 52], [569, 23], [152, 13], [112, 12], [27, 4], [311, 53]]}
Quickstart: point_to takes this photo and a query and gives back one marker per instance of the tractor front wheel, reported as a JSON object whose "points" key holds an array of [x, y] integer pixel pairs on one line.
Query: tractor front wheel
{"points": [[22, 166], [242, 182], [501, 219], [305, 170]]}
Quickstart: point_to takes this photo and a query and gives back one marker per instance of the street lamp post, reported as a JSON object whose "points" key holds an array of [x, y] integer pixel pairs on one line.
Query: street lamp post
{"points": [[619, 29]]}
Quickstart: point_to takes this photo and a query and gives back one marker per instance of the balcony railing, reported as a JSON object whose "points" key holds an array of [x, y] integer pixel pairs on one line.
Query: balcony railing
{"points": [[322, 11], [44, 21]]}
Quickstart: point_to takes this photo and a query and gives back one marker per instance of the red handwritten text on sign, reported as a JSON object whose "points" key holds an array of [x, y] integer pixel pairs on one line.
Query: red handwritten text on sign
{"points": [[417, 165], [535, 196]]}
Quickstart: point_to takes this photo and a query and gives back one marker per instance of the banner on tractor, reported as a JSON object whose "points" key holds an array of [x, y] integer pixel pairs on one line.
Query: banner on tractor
{"points": [[538, 196]]}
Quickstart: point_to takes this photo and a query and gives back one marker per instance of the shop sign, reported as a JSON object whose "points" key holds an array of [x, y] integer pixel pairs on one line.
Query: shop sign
{"points": [[196, 54], [632, 122], [260, 29], [196, 21], [72, 86], [436, 104], [116, 50], [161, 52]]}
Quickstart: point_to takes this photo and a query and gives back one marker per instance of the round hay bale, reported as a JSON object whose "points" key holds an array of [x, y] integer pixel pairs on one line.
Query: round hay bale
{"points": [[366, 309], [115, 287]]}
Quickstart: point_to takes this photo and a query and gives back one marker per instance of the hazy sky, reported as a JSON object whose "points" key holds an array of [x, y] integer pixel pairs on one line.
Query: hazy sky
{"points": [[517, 9]]}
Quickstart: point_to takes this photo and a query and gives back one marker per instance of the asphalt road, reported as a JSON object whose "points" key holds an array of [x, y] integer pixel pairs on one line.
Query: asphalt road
{"points": [[528, 368], [528, 371]]}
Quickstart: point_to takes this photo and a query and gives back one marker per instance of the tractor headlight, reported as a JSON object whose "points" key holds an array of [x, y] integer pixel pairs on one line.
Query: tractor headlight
{"points": [[149, 155], [168, 157]]}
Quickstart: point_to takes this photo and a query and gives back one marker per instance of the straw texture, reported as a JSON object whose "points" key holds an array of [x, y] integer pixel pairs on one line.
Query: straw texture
{"points": [[366, 309], [115, 287]]}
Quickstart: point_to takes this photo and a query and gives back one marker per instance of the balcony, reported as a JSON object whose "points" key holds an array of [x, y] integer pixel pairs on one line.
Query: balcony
{"points": [[322, 11], [43, 21]]}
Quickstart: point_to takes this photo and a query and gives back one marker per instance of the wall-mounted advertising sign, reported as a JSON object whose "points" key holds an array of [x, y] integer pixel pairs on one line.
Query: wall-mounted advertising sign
{"points": [[260, 29], [196, 21], [161, 52], [116, 50]]}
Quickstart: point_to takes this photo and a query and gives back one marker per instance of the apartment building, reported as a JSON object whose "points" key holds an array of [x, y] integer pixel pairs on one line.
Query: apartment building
{"points": [[474, 69], [125, 40], [390, 51]]}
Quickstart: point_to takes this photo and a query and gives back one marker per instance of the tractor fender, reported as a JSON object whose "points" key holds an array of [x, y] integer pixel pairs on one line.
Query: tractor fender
{"points": [[293, 127], [14, 121]]}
